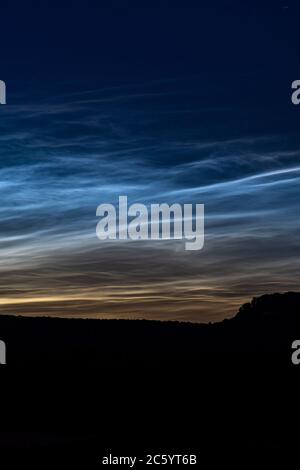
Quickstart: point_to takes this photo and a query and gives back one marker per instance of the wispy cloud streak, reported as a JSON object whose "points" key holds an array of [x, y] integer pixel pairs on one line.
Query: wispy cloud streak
{"points": [[69, 156]]}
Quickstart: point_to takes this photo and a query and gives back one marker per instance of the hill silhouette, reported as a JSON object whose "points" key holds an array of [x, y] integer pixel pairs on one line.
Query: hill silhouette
{"points": [[266, 326], [200, 406]]}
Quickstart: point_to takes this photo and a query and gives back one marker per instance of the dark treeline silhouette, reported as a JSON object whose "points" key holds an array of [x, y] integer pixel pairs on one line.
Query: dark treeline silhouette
{"points": [[261, 329], [191, 401]]}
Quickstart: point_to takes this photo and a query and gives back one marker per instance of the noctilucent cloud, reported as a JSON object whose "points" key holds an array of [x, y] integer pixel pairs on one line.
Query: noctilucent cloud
{"points": [[179, 104]]}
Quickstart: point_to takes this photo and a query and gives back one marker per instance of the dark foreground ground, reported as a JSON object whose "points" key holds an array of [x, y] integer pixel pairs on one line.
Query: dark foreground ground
{"points": [[226, 392], [262, 330]]}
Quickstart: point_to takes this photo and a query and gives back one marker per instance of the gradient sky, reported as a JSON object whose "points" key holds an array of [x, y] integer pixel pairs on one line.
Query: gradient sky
{"points": [[163, 102]]}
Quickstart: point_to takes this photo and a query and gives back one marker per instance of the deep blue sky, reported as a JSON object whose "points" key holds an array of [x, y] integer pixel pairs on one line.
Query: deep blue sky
{"points": [[108, 43], [165, 102]]}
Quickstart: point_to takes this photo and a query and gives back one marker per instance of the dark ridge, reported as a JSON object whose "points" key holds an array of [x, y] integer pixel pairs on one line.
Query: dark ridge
{"points": [[198, 406], [267, 325]]}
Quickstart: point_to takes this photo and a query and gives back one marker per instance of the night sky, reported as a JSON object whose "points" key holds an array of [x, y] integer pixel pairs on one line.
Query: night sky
{"points": [[162, 101]]}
